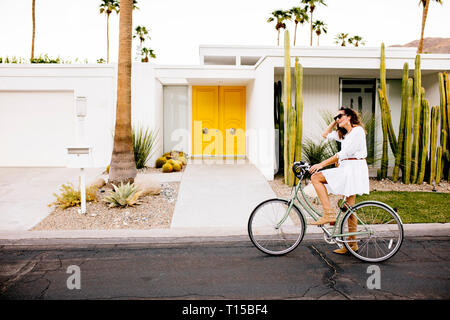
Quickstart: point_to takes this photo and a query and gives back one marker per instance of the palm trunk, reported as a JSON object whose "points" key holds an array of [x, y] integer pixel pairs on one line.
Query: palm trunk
{"points": [[295, 32], [34, 27], [278, 39], [107, 38], [424, 19], [123, 166], [310, 42]]}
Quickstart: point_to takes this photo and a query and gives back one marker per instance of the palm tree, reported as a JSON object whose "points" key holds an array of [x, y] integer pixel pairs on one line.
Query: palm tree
{"points": [[301, 16], [141, 32], [356, 40], [280, 15], [33, 5], [146, 52], [425, 5], [107, 7], [319, 27], [312, 5], [341, 38], [123, 166]]}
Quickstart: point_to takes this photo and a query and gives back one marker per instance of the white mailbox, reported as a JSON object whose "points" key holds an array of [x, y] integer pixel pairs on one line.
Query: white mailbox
{"points": [[80, 158]]}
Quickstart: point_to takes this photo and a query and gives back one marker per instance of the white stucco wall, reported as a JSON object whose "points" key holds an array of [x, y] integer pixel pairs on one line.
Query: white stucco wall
{"points": [[259, 117], [38, 90], [95, 82]]}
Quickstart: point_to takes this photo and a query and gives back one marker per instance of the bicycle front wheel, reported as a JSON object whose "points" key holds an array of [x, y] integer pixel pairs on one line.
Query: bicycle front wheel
{"points": [[378, 231], [269, 233]]}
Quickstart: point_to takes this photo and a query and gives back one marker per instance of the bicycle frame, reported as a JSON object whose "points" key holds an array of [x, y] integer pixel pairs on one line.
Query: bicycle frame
{"points": [[316, 215]]}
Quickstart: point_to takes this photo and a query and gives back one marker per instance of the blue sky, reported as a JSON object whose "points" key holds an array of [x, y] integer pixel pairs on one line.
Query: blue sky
{"points": [[75, 29]]}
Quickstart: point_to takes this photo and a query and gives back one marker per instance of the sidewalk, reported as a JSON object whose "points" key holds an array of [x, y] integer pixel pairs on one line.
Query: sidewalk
{"points": [[177, 235]]}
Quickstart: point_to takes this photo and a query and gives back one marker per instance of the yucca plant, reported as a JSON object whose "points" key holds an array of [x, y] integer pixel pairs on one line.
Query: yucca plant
{"points": [[70, 197], [144, 141], [123, 196]]}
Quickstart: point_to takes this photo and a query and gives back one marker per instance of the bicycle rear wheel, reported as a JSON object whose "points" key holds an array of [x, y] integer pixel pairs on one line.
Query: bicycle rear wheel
{"points": [[380, 228], [263, 227]]}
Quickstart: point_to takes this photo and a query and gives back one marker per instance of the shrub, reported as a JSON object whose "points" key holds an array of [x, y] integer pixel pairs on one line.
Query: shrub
{"points": [[315, 152], [70, 197], [143, 145], [167, 168], [123, 196]]}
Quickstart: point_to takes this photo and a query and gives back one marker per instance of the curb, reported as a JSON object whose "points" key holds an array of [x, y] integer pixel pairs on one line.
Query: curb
{"points": [[174, 236]]}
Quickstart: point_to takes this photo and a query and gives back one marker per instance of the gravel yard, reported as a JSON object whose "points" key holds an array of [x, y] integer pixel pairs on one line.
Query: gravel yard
{"points": [[154, 211]]}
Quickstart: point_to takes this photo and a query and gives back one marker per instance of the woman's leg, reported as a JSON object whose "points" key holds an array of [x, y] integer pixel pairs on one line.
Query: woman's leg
{"points": [[318, 180], [352, 223]]}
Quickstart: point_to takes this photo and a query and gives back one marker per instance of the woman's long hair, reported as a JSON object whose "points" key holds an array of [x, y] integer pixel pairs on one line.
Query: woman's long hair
{"points": [[355, 120]]}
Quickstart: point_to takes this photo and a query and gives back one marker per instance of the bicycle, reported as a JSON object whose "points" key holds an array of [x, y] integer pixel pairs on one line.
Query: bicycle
{"points": [[277, 226]]}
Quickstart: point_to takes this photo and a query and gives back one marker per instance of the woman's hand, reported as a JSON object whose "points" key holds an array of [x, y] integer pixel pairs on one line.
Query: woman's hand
{"points": [[315, 168]]}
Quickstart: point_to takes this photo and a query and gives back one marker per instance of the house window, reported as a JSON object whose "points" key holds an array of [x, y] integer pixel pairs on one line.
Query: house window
{"points": [[360, 94], [176, 129]]}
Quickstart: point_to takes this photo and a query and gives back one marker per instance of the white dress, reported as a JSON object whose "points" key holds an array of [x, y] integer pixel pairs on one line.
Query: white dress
{"points": [[352, 176]]}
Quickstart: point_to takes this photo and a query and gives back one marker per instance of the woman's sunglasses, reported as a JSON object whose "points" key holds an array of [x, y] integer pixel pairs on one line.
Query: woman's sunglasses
{"points": [[338, 116]]}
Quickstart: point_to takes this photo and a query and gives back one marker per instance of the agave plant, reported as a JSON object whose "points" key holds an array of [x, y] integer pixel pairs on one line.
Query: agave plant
{"points": [[123, 196]]}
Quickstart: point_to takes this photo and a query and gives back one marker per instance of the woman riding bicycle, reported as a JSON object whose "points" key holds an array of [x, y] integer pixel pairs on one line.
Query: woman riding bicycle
{"points": [[351, 177]]}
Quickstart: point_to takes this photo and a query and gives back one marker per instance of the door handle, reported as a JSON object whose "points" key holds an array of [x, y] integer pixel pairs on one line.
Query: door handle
{"points": [[205, 130]]}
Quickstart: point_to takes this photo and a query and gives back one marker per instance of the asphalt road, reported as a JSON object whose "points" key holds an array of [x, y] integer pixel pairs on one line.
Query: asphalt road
{"points": [[223, 270]]}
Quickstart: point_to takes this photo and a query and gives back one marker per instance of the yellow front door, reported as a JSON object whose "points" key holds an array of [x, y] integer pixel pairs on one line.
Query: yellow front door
{"points": [[218, 121]]}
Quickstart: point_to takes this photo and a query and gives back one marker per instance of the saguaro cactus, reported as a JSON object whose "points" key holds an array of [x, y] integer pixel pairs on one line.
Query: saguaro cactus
{"points": [[399, 159], [408, 127], [289, 116], [425, 124], [433, 141], [417, 105], [384, 157], [439, 164], [445, 123], [299, 109], [385, 106]]}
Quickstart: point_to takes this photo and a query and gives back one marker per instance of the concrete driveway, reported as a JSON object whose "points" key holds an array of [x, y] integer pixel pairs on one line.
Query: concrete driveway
{"points": [[26, 192]]}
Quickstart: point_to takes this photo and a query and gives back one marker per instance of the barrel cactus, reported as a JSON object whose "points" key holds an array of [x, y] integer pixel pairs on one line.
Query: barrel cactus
{"points": [[167, 167], [160, 162]]}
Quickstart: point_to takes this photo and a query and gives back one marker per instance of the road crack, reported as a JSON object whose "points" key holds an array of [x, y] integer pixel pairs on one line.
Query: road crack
{"points": [[331, 280]]}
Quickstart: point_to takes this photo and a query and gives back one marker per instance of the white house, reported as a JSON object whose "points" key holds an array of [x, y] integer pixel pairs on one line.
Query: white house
{"points": [[222, 107]]}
